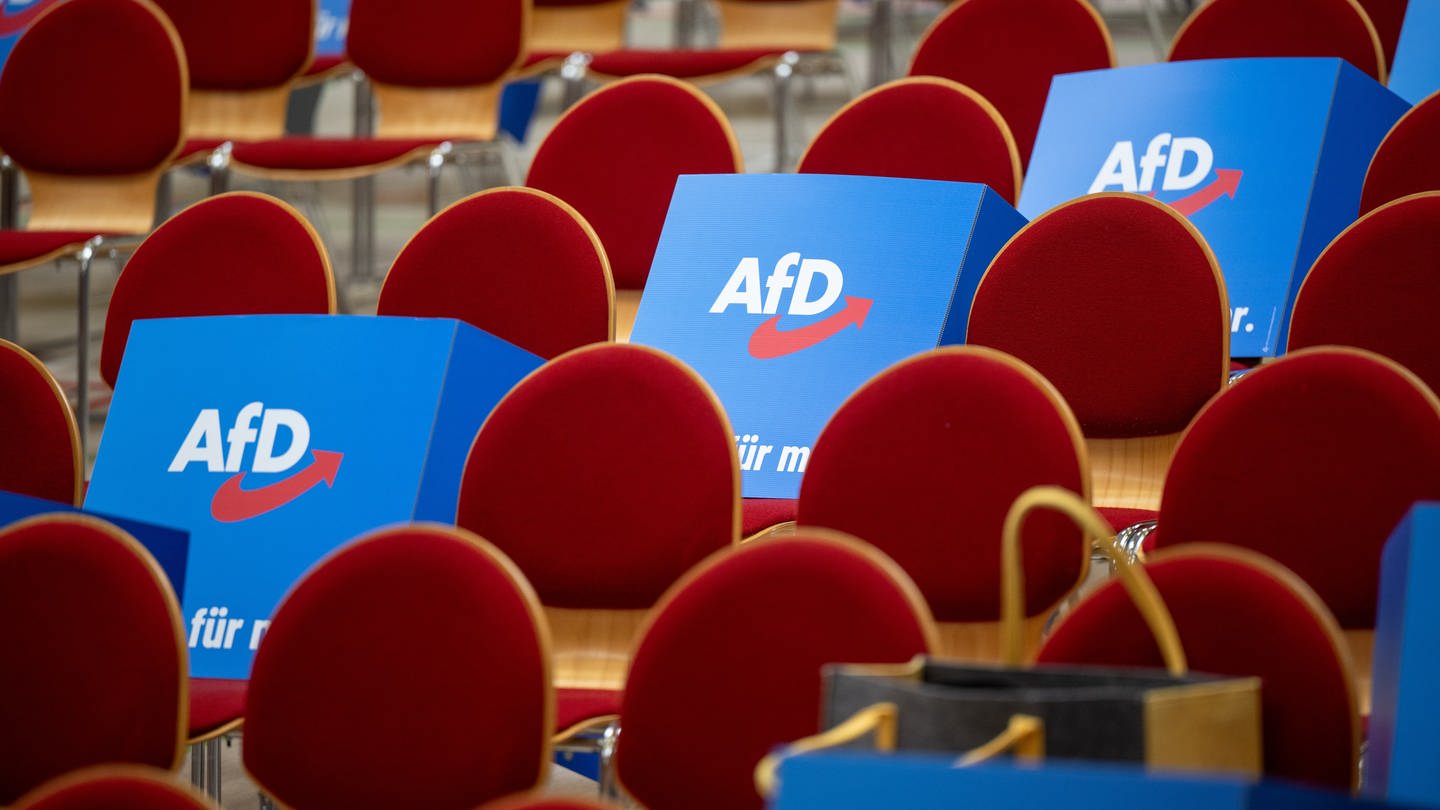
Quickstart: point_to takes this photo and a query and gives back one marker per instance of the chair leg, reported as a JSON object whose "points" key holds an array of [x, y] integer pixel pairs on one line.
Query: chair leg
{"points": [[784, 79], [882, 34], [1157, 34], [572, 78], [9, 288], [608, 784], [197, 767], [219, 164], [82, 344], [439, 156], [212, 768]]}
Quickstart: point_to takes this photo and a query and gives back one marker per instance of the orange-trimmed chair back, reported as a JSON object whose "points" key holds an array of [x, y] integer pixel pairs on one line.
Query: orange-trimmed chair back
{"points": [[83, 175], [1009, 50], [924, 461], [1405, 163], [561, 27], [40, 444], [1237, 613], [605, 474], [1118, 301], [1377, 287], [114, 787], [95, 658], [1229, 29], [616, 154], [240, 253], [411, 668], [732, 657], [1310, 460], [921, 126], [516, 262]]}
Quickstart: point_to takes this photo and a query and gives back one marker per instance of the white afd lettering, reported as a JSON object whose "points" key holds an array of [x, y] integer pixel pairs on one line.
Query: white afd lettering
{"points": [[203, 442], [744, 286], [1164, 150]]}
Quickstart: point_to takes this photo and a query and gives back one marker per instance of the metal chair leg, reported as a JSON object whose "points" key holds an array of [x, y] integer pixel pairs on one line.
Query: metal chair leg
{"points": [[197, 767], [572, 77], [882, 34], [784, 78], [608, 784], [219, 165], [433, 165], [9, 288], [82, 344]]}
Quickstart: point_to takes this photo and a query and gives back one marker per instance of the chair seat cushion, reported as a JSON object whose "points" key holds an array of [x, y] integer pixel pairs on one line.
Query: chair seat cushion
{"points": [[196, 146], [215, 702], [539, 57], [323, 63], [319, 154], [578, 705], [24, 246], [762, 513], [1123, 517], [679, 63]]}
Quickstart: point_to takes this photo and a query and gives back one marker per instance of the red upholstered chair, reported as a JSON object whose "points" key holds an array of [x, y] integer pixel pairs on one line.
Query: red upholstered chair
{"points": [[924, 461], [1228, 29], [1310, 460], [411, 668], [114, 787], [1119, 302], [605, 475], [922, 126], [240, 253], [516, 262], [560, 28], [1009, 50], [1238, 613], [40, 445], [1405, 163], [89, 178], [94, 652], [1376, 287], [1388, 17], [615, 156], [732, 655]]}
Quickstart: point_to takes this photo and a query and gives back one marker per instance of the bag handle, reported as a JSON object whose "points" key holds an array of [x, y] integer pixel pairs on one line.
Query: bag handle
{"points": [[1024, 737], [1137, 583], [879, 719]]}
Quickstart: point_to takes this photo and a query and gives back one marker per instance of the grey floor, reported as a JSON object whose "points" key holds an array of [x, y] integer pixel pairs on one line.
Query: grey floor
{"points": [[47, 302]]}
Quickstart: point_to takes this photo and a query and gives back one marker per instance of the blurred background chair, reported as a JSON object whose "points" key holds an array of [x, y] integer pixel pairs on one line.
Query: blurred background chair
{"points": [[519, 263], [977, 428], [605, 475], [923, 127], [1118, 301], [1405, 162], [411, 667], [40, 445], [114, 787], [1229, 29], [733, 654], [94, 650], [1009, 50], [615, 156], [1238, 613]]}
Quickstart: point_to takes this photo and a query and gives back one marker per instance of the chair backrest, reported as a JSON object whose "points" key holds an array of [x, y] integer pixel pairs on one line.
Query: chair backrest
{"points": [[788, 24], [1406, 162], [242, 61], [1229, 29], [1118, 301], [83, 175], [605, 475], [437, 66], [1237, 613], [921, 126], [240, 253], [615, 157], [977, 428], [1311, 460], [566, 26], [115, 787], [1009, 50], [1377, 286], [1388, 17], [516, 262], [40, 443], [410, 668], [95, 664], [734, 652]]}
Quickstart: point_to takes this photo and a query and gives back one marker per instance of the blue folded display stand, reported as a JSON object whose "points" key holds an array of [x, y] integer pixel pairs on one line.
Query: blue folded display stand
{"points": [[1265, 156], [1402, 760], [787, 292], [1416, 73], [841, 781], [275, 439]]}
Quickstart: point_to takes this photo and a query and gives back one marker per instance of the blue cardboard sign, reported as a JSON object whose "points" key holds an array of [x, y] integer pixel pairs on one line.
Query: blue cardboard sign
{"points": [[15, 17], [787, 292], [1416, 73], [332, 21], [275, 439], [1404, 751], [170, 547], [1265, 156]]}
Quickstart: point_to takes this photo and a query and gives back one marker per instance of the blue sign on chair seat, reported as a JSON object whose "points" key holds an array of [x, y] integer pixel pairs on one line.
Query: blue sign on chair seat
{"points": [[1265, 156], [786, 292], [275, 439]]}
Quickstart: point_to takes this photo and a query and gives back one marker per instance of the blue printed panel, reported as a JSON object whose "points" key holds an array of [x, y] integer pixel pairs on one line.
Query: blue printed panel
{"points": [[1416, 73], [786, 292], [332, 21], [1265, 156], [274, 439]]}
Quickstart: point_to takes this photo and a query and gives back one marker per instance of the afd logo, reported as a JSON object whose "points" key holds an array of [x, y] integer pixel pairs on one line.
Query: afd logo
{"points": [[815, 286], [1187, 163], [232, 502]]}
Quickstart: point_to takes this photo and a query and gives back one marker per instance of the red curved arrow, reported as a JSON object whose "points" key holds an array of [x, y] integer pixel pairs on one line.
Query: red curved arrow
{"points": [[1225, 184], [769, 342], [19, 21], [231, 503]]}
